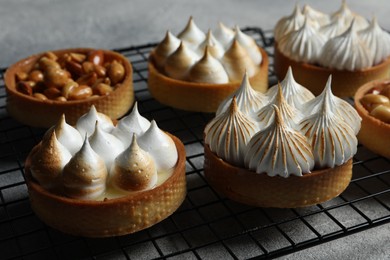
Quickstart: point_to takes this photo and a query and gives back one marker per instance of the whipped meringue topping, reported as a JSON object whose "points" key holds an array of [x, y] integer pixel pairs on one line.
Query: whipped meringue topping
{"points": [[180, 62], [134, 169], [333, 29], [68, 136], [249, 44], [228, 134], [315, 17], [224, 34], [289, 23], [347, 16], [165, 48], [249, 101], [215, 48], [192, 34], [86, 123], [84, 176], [279, 150]]}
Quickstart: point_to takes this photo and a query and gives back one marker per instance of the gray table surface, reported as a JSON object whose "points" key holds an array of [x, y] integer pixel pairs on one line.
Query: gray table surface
{"points": [[29, 27]]}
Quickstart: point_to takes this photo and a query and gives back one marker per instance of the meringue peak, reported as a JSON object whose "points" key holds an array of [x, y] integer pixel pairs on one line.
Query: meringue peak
{"points": [[191, 33]]}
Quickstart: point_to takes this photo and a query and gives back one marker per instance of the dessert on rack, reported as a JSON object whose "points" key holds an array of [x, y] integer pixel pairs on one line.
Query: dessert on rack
{"points": [[42, 87], [284, 149], [98, 179], [344, 44], [195, 70]]}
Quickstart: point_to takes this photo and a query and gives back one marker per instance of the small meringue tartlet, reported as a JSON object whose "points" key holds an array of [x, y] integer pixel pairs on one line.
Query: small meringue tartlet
{"points": [[195, 71], [97, 185], [342, 44], [293, 150], [42, 87], [373, 105]]}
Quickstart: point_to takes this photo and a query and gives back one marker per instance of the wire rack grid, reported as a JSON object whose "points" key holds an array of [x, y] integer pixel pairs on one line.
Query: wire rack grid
{"points": [[207, 225]]}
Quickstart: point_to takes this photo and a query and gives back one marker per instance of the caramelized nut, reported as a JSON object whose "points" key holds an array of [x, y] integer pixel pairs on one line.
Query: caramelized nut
{"points": [[39, 96], [369, 100], [24, 87], [46, 63], [61, 98], [52, 93], [87, 79], [386, 91], [50, 55], [102, 89], [100, 71], [116, 72], [88, 67], [68, 88], [80, 92], [21, 75], [55, 77], [74, 68], [382, 113], [96, 57], [36, 76], [78, 57]]}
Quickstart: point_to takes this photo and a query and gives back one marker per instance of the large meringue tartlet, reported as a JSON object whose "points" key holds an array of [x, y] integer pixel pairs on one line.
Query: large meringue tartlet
{"points": [[42, 87], [343, 44], [196, 71], [292, 150], [94, 184]]}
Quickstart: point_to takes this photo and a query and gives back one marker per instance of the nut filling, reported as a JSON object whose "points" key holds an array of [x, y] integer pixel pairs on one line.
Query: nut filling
{"points": [[71, 76], [377, 103]]}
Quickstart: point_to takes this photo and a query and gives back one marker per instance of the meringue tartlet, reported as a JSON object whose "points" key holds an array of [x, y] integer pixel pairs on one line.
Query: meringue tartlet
{"points": [[42, 87], [196, 71], [100, 180], [283, 149], [372, 104], [342, 44]]}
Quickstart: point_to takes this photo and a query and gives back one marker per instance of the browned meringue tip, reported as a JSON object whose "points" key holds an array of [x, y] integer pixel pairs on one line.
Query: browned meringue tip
{"points": [[233, 106]]}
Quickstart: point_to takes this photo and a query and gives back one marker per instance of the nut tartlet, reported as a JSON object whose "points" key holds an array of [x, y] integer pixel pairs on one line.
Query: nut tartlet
{"points": [[42, 87], [196, 72], [343, 44], [284, 154], [375, 113], [117, 181]]}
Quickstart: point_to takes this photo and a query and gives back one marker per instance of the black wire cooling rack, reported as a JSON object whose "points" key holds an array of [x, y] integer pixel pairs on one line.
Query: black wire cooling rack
{"points": [[207, 225]]}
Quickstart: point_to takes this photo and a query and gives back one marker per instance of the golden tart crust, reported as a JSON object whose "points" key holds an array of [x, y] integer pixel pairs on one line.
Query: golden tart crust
{"points": [[344, 83], [200, 97], [374, 133], [261, 190], [111, 217], [34, 112]]}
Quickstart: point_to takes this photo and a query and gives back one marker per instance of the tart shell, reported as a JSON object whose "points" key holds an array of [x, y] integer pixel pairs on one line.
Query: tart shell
{"points": [[261, 190], [34, 112], [199, 97], [374, 133], [344, 82], [110, 217]]}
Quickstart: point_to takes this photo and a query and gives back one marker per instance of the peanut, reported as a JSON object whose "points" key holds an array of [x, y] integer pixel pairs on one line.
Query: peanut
{"points": [[55, 77], [24, 87], [369, 100], [87, 79], [96, 57], [382, 113], [52, 93], [116, 72], [102, 89], [21, 75], [60, 98], [80, 92], [46, 63], [68, 88], [40, 96], [74, 68], [78, 57], [88, 67], [36, 76]]}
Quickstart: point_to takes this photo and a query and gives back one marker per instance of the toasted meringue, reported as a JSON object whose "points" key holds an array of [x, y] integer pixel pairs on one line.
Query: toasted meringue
{"points": [[180, 62], [84, 177], [165, 153], [165, 48], [215, 48], [134, 169], [249, 101], [224, 34], [228, 134], [49, 160], [279, 150], [132, 123], [377, 40], [347, 16], [68, 136], [294, 93], [349, 52], [86, 123], [236, 61], [333, 141], [289, 23], [304, 44], [208, 70], [249, 44], [105, 145], [316, 17], [192, 34]]}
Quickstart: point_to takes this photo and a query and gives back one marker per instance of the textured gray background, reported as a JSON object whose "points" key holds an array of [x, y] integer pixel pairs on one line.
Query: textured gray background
{"points": [[31, 26]]}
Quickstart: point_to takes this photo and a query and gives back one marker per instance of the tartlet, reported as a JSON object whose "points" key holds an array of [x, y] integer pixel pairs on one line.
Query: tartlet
{"points": [[45, 113], [190, 95], [130, 201], [374, 133]]}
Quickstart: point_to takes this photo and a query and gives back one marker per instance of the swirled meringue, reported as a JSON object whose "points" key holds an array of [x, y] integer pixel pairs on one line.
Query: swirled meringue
{"points": [[333, 29], [86, 123], [304, 44], [160, 146], [377, 40], [347, 16], [315, 17], [165, 48], [134, 169], [132, 123], [215, 48], [279, 150], [192, 34], [68, 136], [236, 61], [84, 176], [105, 145], [49, 160], [228, 134], [224, 34], [208, 70], [249, 101], [289, 23], [180, 62], [295, 94], [249, 44], [348, 51], [332, 140]]}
